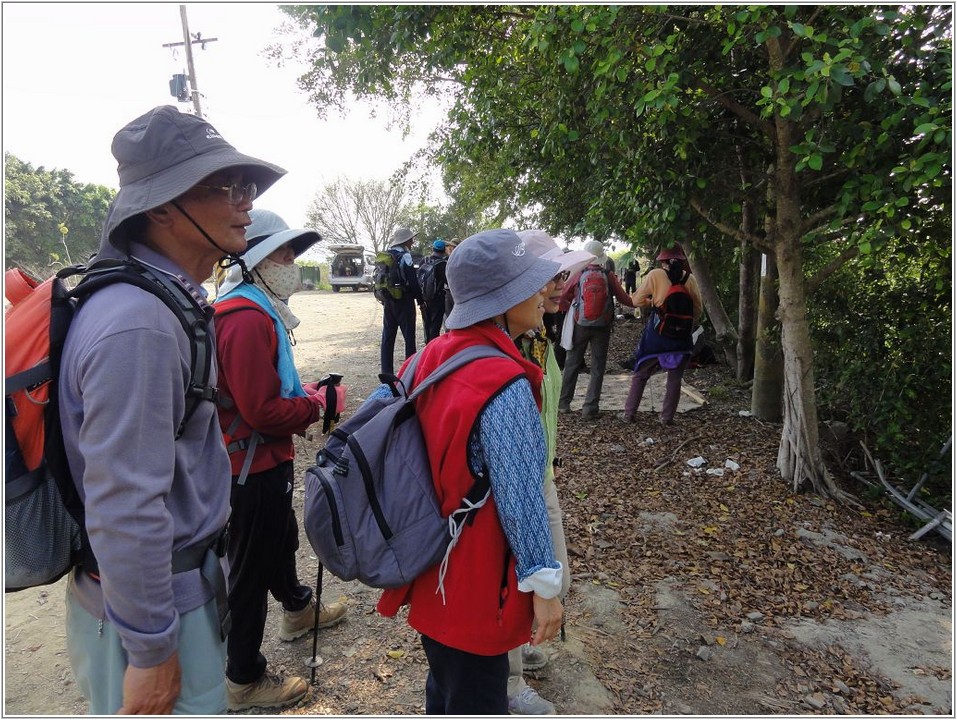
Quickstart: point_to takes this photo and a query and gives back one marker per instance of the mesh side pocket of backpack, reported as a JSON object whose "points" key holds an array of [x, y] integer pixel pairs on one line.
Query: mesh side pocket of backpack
{"points": [[41, 538]]}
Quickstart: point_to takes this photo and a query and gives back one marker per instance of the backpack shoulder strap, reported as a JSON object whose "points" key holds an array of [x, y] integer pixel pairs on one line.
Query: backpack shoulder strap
{"points": [[193, 318], [460, 359], [235, 304]]}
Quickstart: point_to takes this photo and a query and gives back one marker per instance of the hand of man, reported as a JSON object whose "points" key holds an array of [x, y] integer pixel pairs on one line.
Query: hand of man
{"points": [[548, 618], [152, 690]]}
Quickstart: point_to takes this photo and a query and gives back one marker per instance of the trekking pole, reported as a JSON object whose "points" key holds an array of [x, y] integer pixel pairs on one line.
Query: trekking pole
{"points": [[562, 632], [316, 661]]}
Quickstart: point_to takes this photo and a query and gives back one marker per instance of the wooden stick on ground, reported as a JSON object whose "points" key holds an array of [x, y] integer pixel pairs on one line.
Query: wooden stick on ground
{"points": [[660, 465]]}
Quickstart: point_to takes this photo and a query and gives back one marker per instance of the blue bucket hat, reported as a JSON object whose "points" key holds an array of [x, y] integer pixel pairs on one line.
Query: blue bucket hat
{"points": [[490, 272], [164, 153], [267, 232]]}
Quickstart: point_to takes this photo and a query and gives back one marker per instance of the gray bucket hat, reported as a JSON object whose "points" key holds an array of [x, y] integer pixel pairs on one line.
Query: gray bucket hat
{"points": [[267, 232], [400, 237], [491, 272], [164, 153]]}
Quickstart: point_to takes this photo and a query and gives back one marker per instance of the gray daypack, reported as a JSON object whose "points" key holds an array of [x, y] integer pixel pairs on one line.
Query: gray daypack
{"points": [[370, 511]]}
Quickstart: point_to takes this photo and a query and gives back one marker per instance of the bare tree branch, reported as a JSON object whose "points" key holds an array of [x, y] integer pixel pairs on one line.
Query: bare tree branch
{"points": [[825, 272], [356, 211], [728, 230]]}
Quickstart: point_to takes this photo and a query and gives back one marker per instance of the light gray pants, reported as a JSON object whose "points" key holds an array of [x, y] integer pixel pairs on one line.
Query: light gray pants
{"points": [[99, 660], [561, 554], [598, 338]]}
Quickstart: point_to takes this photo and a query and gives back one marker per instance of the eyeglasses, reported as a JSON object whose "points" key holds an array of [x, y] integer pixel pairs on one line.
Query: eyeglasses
{"points": [[562, 276], [236, 193]]}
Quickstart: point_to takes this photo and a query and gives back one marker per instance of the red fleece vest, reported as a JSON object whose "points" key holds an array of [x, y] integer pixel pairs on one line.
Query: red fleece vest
{"points": [[484, 613]]}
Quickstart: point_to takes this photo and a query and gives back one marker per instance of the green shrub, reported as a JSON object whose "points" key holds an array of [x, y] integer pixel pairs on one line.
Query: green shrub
{"points": [[882, 334]]}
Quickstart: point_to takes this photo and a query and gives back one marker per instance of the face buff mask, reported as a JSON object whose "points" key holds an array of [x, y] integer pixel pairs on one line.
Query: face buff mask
{"points": [[280, 282]]}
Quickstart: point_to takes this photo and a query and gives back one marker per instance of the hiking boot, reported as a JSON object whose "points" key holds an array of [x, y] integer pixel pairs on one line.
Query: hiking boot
{"points": [[564, 409], [270, 691], [590, 414], [626, 418], [296, 623], [533, 658], [529, 702]]}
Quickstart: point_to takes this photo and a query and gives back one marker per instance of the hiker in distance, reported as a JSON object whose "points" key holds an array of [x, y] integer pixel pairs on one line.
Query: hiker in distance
{"points": [[536, 347], [450, 246], [431, 278], [589, 297], [141, 638], [666, 343], [262, 405], [500, 586], [398, 313]]}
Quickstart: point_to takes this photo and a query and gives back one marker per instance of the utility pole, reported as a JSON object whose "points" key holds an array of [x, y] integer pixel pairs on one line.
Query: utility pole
{"points": [[188, 43]]}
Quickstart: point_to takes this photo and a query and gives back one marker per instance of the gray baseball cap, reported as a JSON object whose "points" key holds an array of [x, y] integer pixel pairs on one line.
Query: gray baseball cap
{"points": [[490, 272], [164, 153], [267, 232]]}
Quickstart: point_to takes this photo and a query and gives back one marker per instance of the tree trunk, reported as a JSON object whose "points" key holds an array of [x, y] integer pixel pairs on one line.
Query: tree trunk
{"points": [[748, 269], [799, 455], [748, 274], [724, 330], [768, 388]]}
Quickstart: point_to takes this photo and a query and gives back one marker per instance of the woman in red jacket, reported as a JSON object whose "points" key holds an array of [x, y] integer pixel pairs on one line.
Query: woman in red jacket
{"points": [[500, 586], [267, 404]]}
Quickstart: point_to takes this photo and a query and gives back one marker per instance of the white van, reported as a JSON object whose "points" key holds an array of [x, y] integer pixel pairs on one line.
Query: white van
{"points": [[351, 266]]}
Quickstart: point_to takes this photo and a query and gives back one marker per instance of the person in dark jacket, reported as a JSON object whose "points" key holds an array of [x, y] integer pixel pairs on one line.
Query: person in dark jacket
{"points": [[399, 313], [434, 307]]}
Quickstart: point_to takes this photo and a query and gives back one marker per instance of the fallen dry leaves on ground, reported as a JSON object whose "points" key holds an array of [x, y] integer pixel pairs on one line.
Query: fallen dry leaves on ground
{"points": [[740, 543], [744, 555]]}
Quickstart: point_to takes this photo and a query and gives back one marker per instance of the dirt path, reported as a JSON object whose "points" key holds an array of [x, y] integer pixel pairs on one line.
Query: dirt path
{"points": [[677, 606]]}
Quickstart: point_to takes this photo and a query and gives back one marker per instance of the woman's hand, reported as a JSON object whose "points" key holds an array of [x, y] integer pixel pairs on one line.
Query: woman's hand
{"points": [[548, 618]]}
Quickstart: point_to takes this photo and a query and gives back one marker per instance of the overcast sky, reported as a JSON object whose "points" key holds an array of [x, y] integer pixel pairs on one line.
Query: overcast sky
{"points": [[75, 73]]}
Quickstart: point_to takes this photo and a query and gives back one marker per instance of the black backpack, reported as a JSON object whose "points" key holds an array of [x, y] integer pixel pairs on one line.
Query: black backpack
{"points": [[428, 279], [44, 531], [676, 313]]}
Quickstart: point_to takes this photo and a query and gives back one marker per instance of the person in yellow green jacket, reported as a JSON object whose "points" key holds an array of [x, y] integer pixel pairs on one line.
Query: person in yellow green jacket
{"points": [[536, 347]]}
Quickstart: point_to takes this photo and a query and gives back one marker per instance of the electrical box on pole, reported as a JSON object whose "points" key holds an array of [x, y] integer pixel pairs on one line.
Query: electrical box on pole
{"points": [[179, 87], [183, 86]]}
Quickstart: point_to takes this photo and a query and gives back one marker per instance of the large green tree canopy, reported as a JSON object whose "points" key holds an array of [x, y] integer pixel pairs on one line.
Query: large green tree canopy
{"points": [[50, 219], [828, 126]]}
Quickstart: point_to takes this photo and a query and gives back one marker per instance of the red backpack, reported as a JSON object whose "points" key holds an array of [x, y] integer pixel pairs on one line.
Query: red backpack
{"points": [[676, 313], [595, 307]]}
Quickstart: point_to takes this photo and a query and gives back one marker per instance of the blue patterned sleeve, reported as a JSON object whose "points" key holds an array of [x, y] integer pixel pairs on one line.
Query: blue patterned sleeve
{"points": [[511, 444]]}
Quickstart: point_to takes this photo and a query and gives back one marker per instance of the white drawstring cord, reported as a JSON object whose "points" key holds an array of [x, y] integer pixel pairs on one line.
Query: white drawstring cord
{"points": [[455, 529]]}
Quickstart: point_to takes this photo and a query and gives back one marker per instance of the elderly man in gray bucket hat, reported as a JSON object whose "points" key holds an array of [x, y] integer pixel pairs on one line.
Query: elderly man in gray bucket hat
{"points": [[145, 634], [501, 582]]}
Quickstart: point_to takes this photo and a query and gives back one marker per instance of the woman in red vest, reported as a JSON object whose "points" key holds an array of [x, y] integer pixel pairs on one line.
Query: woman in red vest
{"points": [[501, 583]]}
